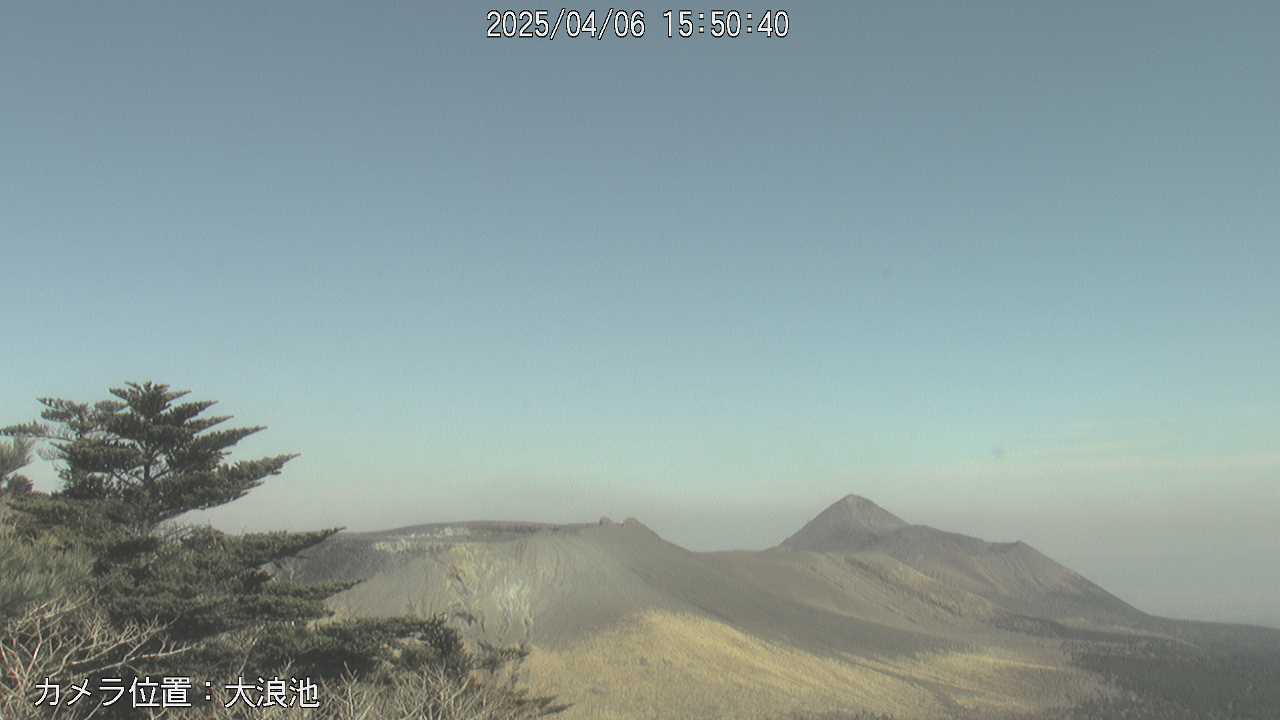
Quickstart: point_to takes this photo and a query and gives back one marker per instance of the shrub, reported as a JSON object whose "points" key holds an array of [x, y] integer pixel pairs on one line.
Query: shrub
{"points": [[34, 570], [67, 638]]}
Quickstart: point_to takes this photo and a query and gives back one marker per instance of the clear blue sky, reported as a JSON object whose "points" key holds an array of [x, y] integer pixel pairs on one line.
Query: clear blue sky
{"points": [[1008, 268]]}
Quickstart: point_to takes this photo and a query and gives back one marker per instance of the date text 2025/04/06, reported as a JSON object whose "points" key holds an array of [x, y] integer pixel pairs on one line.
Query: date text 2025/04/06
{"points": [[623, 23]]}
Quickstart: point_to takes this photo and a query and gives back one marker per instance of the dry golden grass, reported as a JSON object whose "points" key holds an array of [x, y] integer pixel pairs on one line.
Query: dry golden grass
{"points": [[995, 682], [671, 666]]}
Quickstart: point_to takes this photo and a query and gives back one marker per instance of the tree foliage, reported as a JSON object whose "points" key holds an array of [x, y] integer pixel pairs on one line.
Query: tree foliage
{"points": [[152, 456], [34, 570], [15, 454], [131, 465]]}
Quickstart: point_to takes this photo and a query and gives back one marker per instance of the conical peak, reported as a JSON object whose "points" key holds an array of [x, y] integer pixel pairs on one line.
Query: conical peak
{"points": [[850, 521], [866, 512]]}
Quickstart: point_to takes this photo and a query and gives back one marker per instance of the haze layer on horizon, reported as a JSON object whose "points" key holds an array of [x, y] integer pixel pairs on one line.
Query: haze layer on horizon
{"points": [[1009, 270]]}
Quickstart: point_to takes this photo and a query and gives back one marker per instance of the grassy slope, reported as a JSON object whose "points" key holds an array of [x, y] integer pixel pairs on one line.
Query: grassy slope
{"points": [[674, 666]]}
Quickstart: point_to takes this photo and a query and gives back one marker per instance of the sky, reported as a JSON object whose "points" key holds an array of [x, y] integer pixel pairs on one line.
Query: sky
{"points": [[1009, 269]]}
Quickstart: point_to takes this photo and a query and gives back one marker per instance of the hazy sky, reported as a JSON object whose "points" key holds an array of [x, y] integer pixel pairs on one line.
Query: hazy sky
{"points": [[1007, 268]]}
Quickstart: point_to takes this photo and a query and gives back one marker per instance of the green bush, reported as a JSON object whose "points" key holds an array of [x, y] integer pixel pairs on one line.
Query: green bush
{"points": [[34, 570]]}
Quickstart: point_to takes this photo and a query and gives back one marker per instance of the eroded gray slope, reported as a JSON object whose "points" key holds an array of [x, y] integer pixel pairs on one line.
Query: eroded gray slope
{"points": [[551, 585]]}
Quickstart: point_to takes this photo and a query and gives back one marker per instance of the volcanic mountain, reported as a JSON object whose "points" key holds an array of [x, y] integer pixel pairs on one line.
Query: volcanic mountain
{"points": [[1012, 576], [850, 523], [859, 609]]}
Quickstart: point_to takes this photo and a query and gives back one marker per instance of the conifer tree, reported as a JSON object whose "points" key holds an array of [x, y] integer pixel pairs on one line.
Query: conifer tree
{"points": [[131, 464]]}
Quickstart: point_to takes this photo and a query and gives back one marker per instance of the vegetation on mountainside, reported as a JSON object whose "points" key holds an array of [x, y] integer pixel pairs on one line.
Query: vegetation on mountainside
{"points": [[1158, 679], [1166, 680]]}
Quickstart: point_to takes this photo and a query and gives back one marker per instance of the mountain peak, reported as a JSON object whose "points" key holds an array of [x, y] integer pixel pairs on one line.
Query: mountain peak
{"points": [[849, 522], [856, 501]]}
